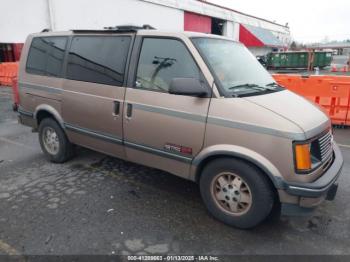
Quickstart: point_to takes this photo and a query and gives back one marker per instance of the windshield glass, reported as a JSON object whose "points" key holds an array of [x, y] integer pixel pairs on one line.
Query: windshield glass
{"points": [[234, 66]]}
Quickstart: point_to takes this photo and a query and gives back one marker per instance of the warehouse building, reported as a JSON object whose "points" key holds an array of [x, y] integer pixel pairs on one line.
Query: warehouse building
{"points": [[260, 35]]}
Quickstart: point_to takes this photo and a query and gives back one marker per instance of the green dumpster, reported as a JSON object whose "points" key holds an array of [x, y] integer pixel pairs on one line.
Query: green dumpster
{"points": [[322, 59], [298, 59]]}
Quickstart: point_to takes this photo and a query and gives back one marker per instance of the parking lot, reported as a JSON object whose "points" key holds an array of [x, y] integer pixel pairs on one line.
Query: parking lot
{"points": [[95, 204]]}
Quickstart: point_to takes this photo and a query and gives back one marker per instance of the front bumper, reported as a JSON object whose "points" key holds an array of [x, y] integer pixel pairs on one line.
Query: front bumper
{"points": [[326, 183], [310, 195]]}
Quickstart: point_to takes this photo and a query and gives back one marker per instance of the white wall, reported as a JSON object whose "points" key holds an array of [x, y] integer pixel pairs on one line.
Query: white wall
{"points": [[31, 16], [19, 18], [83, 14], [231, 30], [28, 16], [225, 14], [228, 29], [236, 29], [259, 51]]}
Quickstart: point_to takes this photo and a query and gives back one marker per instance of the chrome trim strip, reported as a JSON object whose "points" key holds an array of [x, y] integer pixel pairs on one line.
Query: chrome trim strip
{"points": [[49, 89], [158, 152], [325, 145], [169, 112], [220, 121], [306, 189], [254, 128], [119, 141], [24, 112], [95, 134], [200, 118], [326, 151], [325, 138], [91, 95]]}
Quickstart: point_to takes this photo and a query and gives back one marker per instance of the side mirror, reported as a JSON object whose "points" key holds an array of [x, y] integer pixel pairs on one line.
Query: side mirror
{"points": [[187, 87]]}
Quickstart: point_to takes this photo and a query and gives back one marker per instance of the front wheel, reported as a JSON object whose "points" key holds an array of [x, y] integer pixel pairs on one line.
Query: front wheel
{"points": [[54, 142], [236, 192]]}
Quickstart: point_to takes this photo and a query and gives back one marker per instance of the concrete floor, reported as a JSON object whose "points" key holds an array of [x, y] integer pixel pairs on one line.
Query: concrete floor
{"points": [[95, 204]]}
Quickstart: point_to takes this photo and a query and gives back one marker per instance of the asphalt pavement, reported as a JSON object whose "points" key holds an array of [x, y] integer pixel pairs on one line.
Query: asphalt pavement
{"points": [[96, 204]]}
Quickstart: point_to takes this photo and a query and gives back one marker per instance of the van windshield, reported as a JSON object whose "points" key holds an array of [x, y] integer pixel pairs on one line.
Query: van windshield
{"points": [[235, 68]]}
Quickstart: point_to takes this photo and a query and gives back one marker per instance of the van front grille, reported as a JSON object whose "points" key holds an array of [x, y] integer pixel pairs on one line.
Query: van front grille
{"points": [[325, 146]]}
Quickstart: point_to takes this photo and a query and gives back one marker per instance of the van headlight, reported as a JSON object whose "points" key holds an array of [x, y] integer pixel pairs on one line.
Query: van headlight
{"points": [[306, 156]]}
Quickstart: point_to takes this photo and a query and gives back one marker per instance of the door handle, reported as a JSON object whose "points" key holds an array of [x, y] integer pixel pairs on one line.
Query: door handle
{"points": [[116, 108], [128, 111]]}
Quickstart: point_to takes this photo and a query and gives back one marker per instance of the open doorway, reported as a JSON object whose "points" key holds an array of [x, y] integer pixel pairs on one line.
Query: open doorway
{"points": [[217, 26]]}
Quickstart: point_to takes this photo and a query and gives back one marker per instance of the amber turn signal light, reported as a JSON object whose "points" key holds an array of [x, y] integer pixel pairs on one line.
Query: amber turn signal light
{"points": [[303, 157]]}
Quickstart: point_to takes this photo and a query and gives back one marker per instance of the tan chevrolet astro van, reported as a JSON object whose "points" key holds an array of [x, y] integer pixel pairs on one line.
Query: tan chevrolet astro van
{"points": [[196, 105]]}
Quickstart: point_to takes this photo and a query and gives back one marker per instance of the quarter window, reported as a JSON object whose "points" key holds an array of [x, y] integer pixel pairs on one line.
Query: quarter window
{"points": [[160, 61], [46, 55], [98, 59]]}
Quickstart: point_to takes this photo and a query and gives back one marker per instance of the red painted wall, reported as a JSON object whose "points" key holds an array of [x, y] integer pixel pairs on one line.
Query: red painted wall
{"points": [[17, 49], [197, 23], [247, 38], [10, 52]]}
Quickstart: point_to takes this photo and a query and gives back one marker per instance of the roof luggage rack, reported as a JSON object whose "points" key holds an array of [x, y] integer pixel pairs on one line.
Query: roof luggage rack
{"points": [[129, 27], [116, 29]]}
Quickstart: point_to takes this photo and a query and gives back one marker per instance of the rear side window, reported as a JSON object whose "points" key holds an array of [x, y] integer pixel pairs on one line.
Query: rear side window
{"points": [[46, 55], [98, 59]]}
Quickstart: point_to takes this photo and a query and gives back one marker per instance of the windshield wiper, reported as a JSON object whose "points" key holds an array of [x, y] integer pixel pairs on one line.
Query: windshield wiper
{"points": [[274, 84], [253, 86], [250, 89], [269, 87]]}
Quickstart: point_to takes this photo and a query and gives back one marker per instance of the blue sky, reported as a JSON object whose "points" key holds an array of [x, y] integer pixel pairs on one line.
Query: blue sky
{"points": [[309, 20]]}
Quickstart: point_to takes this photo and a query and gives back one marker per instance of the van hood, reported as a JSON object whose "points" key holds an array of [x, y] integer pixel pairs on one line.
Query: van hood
{"points": [[307, 116]]}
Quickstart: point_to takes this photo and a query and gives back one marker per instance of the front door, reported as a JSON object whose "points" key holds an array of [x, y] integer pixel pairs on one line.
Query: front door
{"points": [[94, 93], [163, 130]]}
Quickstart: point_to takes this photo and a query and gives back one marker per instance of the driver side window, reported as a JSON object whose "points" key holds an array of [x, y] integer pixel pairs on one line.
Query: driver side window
{"points": [[160, 61]]}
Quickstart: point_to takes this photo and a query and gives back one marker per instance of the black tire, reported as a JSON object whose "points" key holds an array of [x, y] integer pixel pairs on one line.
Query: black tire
{"points": [[260, 191], [65, 148]]}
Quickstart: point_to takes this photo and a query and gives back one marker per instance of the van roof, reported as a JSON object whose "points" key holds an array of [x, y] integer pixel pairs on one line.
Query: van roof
{"points": [[138, 32], [123, 29]]}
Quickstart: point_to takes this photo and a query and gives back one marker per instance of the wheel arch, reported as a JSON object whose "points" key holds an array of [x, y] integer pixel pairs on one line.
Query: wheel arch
{"points": [[247, 155], [43, 111]]}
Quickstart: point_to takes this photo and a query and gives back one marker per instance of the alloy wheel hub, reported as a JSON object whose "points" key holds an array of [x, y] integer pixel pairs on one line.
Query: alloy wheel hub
{"points": [[231, 193], [50, 140]]}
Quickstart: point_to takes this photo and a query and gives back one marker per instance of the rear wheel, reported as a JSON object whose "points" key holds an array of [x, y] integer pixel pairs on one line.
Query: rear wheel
{"points": [[236, 192], [54, 142]]}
